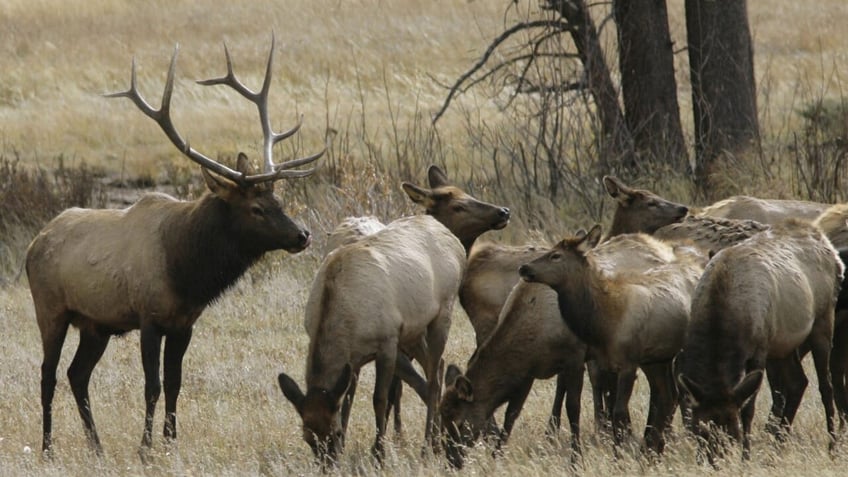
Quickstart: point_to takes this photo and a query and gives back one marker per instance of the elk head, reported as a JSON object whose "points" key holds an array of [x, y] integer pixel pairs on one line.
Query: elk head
{"points": [[563, 261], [460, 426], [640, 210], [320, 413], [252, 212], [715, 416], [465, 216]]}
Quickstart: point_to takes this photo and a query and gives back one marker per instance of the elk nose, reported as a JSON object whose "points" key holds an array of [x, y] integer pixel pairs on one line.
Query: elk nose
{"points": [[304, 237], [525, 272], [683, 210], [504, 213]]}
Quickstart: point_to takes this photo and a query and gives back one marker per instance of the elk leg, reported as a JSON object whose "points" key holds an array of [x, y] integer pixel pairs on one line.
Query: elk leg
{"points": [[385, 372], [395, 394], [437, 334], [405, 370], [52, 340], [774, 372], [794, 382], [513, 410], [621, 413], [175, 348], [347, 402], [151, 344], [839, 371], [603, 393], [663, 403], [573, 393], [556, 410], [820, 344], [92, 344], [747, 414]]}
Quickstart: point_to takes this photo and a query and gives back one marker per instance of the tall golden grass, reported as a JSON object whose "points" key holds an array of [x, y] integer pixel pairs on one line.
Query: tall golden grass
{"points": [[364, 68]]}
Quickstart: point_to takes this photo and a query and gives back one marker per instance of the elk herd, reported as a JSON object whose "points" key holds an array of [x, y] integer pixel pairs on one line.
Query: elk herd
{"points": [[706, 303]]}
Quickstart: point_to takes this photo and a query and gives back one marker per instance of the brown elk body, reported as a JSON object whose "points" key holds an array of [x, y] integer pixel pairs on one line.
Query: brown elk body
{"points": [[389, 292], [493, 271], [765, 211], [628, 318], [756, 304], [502, 371], [154, 266]]}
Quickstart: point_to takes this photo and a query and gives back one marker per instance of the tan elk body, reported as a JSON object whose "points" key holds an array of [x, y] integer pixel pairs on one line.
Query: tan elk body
{"points": [[756, 304], [156, 265], [389, 292], [765, 211]]}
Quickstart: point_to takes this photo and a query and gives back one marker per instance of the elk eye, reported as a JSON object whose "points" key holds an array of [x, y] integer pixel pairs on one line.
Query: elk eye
{"points": [[458, 207], [257, 211], [556, 256]]}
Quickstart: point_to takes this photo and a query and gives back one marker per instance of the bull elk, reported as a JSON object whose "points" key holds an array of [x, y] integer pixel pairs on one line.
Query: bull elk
{"points": [[628, 318], [755, 305], [156, 265], [387, 293]]}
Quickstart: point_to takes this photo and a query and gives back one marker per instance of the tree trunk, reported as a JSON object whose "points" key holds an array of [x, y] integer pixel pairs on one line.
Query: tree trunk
{"points": [[616, 144], [724, 98], [648, 85]]}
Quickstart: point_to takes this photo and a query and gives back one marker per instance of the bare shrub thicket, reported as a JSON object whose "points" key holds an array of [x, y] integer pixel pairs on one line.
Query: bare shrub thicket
{"points": [[29, 197]]}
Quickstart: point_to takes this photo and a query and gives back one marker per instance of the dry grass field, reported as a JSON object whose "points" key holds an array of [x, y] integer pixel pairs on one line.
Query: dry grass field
{"points": [[366, 67]]}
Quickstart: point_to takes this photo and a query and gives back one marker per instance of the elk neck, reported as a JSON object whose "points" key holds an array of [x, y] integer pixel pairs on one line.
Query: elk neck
{"points": [[205, 256], [580, 307]]}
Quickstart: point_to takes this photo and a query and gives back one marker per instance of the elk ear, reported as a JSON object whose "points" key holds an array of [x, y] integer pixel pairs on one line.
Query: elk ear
{"points": [[340, 388], [437, 177], [419, 195], [291, 391], [243, 164], [451, 374], [463, 388], [580, 233], [748, 387], [616, 189], [693, 392], [590, 240], [222, 187]]}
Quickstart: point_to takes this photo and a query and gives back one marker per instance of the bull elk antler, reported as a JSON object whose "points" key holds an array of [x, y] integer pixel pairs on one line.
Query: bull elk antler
{"points": [[162, 116]]}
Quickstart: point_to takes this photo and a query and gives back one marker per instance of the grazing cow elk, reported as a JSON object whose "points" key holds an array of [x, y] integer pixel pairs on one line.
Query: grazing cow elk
{"points": [[346, 232], [765, 211], [156, 265], [756, 304], [493, 272], [389, 292], [628, 318], [502, 371]]}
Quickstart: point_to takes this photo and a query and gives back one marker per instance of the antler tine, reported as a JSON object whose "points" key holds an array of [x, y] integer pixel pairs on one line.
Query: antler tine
{"points": [[260, 99], [162, 116]]}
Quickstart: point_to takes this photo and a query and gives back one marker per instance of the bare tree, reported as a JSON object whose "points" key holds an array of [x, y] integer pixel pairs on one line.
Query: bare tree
{"points": [[648, 86], [724, 99]]}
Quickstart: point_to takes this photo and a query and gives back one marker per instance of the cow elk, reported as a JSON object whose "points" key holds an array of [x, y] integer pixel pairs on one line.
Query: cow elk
{"points": [[346, 232], [629, 318], [156, 265], [389, 292], [755, 305]]}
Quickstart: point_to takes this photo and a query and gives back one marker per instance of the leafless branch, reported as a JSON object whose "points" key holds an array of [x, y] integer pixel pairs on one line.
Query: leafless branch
{"points": [[558, 25]]}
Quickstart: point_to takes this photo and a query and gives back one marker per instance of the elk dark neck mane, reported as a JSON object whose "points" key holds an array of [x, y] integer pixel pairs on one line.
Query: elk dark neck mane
{"points": [[205, 255], [580, 308]]}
